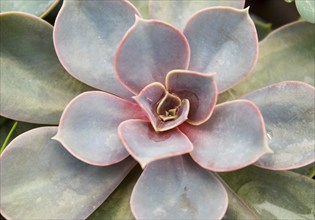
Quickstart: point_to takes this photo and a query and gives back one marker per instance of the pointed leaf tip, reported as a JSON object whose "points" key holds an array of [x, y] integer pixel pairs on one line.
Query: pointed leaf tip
{"points": [[35, 88], [246, 10], [146, 145], [83, 23], [177, 188], [216, 37], [200, 89], [234, 137], [37, 172], [178, 13], [88, 127], [150, 97], [288, 111], [162, 49]]}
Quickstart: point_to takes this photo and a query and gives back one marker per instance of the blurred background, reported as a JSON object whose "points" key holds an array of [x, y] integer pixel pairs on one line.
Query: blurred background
{"points": [[276, 12]]}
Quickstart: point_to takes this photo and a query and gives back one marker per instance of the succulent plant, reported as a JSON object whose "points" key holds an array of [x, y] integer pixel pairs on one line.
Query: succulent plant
{"points": [[36, 7], [306, 8], [158, 103]]}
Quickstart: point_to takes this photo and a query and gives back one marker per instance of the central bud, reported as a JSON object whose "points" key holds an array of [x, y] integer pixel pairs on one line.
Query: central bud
{"points": [[167, 108]]}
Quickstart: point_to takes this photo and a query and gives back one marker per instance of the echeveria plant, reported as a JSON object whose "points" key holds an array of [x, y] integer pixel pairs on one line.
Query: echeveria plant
{"points": [[36, 7], [306, 8], [160, 86]]}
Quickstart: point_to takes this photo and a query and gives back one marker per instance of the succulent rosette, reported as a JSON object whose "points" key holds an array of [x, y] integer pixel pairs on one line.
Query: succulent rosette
{"points": [[158, 103]]}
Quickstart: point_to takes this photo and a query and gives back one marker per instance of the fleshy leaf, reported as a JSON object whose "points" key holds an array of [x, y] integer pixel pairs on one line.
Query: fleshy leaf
{"points": [[86, 36], [142, 6], [169, 101], [35, 7], [306, 9], [149, 50], [88, 127], [288, 111], [146, 145], [177, 13], [308, 170], [274, 195], [176, 188], [117, 205], [281, 56], [34, 86], [200, 89], [148, 100], [41, 180], [232, 138], [222, 40], [237, 208]]}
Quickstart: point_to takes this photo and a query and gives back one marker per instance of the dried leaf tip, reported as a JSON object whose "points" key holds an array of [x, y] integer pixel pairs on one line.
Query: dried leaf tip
{"points": [[138, 19], [246, 10]]}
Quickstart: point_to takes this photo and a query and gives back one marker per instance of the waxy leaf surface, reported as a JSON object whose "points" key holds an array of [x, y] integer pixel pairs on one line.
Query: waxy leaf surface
{"points": [[288, 109], [41, 180], [237, 208], [177, 13], [286, 54], [148, 100], [274, 194], [224, 41], [146, 145], [34, 86], [306, 9], [142, 6], [308, 170], [86, 37], [117, 205], [177, 188], [35, 7], [88, 127], [149, 50], [232, 138], [200, 89]]}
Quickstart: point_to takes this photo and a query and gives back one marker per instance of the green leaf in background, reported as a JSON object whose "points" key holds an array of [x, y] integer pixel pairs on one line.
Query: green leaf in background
{"points": [[40, 179], [237, 209], [34, 86], [142, 6], [7, 139], [306, 9], [308, 170], [117, 206], [36, 7], [6, 125], [288, 53], [263, 29], [274, 194]]}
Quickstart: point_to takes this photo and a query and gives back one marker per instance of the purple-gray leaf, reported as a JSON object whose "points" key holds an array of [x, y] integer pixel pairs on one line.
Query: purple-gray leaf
{"points": [[222, 40], [200, 89], [234, 137], [149, 50], [177, 13], [289, 112], [88, 127], [146, 145], [34, 86], [150, 99], [86, 36], [41, 180], [177, 188]]}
